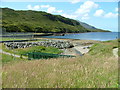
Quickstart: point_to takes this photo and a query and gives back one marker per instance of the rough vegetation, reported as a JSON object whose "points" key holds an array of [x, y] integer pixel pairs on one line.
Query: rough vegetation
{"points": [[81, 72], [97, 69], [39, 21], [104, 48]]}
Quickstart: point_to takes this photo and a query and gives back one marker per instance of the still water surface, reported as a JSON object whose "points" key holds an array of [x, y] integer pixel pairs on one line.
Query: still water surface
{"points": [[101, 36]]}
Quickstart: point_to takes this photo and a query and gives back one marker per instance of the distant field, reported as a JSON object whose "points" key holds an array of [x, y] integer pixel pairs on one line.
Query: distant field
{"points": [[8, 39], [22, 33], [97, 69]]}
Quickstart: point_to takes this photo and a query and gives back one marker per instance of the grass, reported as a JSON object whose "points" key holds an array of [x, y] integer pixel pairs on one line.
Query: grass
{"points": [[10, 59], [8, 39], [32, 49], [11, 38], [104, 48], [97, 69], [80, 72]]}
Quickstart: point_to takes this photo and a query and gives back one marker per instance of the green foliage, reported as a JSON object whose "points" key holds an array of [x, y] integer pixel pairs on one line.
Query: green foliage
{"points": [[38, 21], [12, 28], [25, 27]]}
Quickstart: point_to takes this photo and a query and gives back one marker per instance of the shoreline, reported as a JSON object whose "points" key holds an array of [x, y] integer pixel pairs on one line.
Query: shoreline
{"points": [[16, 34]]}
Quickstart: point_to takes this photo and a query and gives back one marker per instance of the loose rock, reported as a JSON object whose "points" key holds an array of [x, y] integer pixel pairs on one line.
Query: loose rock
{"points": [[53, 43]]}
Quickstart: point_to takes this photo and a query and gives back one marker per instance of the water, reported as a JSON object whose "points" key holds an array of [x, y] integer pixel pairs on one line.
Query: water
{"points": [[100, 36]]}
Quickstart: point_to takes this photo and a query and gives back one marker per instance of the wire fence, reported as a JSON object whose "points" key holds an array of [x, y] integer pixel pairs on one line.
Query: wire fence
{"points": [[39, 55]]}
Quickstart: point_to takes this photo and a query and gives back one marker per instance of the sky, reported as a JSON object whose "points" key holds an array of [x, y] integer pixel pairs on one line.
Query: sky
{"points": [[103, 15]]}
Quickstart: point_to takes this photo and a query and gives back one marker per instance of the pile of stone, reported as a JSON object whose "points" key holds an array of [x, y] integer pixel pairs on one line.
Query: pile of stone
{"points": [[52, 43]]}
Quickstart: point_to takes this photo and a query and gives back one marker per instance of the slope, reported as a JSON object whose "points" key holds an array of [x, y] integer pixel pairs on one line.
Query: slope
{"points": [[38, 21]]}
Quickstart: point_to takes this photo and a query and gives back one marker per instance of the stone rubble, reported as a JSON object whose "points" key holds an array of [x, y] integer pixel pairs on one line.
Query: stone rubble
{"points": [[53, 43]]}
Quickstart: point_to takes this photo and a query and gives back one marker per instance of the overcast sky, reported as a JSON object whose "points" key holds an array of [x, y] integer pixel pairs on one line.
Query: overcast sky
{"points": [[103, 15]]}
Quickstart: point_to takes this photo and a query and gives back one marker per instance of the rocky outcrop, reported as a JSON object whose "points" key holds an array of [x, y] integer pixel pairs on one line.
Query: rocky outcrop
{"points": [[52, 43]]}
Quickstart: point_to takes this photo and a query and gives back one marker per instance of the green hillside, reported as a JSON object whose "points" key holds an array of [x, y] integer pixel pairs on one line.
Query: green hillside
{"points": [[39, 21]]}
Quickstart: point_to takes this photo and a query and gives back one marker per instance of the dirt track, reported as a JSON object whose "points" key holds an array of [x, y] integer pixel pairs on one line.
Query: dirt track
{"points": [[1, 51], [115, 52]]}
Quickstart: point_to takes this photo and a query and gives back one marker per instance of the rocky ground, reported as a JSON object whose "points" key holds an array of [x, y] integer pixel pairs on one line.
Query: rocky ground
{"points": [[53, 43]]}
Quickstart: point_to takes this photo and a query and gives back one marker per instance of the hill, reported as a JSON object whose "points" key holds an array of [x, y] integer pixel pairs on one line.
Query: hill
{"points": [[87, 25], [39, 21], [91, 28]]}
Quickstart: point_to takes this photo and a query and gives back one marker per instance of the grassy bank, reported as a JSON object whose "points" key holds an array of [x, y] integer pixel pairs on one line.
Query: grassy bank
{"points": [[97, 69], [104, 48]]}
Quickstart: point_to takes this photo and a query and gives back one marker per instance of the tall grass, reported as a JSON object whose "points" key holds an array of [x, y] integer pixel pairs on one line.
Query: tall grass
{"points": [[80, 72], [97, 69]]}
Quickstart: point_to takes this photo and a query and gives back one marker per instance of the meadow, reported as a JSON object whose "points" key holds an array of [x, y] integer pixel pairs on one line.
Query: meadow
{"points": [[96, 69]]}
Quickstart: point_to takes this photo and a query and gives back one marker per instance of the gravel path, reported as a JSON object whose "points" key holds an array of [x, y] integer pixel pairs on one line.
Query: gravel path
{"points": [[18, 56], [115, 52]]}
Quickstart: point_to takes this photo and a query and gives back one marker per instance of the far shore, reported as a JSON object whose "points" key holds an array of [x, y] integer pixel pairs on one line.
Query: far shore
{"points": [[40, 38], [21, 34]]}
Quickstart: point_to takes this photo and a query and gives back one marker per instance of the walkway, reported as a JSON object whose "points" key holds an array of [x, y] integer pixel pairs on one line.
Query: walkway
{"points": [[18, 56], [115, 52]]}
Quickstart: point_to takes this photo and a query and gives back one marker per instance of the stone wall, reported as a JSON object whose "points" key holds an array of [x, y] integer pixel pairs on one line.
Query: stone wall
{"points": [[52, 43]]}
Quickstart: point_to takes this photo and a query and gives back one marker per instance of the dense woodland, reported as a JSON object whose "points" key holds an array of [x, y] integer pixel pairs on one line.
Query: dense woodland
{"points": [[39, 22]]}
